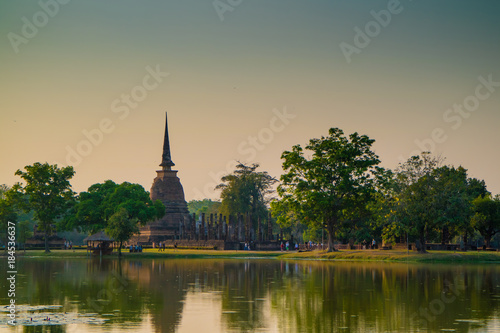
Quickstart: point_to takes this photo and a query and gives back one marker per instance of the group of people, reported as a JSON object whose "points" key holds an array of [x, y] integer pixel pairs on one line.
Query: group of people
{"points": [[312, 246], [372, 246], [136, 248], [161, 246], [287, 246], [68, 245]]}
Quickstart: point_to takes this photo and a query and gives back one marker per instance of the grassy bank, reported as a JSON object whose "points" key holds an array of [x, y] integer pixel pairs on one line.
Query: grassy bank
{"points": [[345, 255], [401, 256], [153, 254]]}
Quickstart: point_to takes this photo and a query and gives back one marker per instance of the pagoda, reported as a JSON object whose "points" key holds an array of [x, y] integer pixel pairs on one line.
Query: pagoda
{"points": [[168, 189]]}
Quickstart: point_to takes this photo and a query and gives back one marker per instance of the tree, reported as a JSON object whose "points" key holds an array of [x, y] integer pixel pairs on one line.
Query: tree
{"points": [[94, 208], [7, 211], [453, 205], [121, 227], [475, 188], [414, 189], [48, 193], [245, 191], [454, 193], [486, 219], [136, 201], [206, 206], [328, 189], [24, 232], [88, 215], [286, 218], [383, 222], [434, 198]]}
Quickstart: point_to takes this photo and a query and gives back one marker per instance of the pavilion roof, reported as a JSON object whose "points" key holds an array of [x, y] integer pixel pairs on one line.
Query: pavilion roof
{"points": [[99, 237]]}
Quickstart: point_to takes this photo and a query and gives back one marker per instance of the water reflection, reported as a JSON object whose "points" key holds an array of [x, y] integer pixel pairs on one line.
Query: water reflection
{"points": [[261, 295]]}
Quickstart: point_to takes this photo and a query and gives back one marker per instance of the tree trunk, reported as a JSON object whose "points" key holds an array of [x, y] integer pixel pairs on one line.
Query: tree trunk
{"points": [[331, 237], [444, 235], [487, 240], [47, 250], [120, 250], [465, 241], [422, 242]]}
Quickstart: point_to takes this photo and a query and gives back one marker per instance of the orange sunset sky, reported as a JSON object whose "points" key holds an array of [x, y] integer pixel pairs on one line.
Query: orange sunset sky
{"points": [[87, 83]]}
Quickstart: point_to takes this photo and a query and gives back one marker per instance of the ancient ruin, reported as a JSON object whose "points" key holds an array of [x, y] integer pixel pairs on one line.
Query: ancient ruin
{"points": [[179, 228], [168, 189]]}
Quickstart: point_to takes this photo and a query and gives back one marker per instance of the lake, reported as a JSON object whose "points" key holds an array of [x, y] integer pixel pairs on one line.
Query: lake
{"points": [[251, 295]]}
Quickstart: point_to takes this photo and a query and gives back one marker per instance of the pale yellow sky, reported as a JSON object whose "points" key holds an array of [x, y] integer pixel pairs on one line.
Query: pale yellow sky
{"points": [[115, 68]]}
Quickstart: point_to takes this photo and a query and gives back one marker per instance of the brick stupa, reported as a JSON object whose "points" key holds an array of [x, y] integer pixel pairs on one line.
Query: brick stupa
{"points": [[168, 189]]}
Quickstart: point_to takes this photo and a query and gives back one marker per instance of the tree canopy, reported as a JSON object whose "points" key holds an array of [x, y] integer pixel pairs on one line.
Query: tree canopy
{"points": [[432, 198], [91, 211], [95, 207], [121, 227], [486, 218], [246, 190], [47, 193], [206, 206], [7, 211], [332, 186]]}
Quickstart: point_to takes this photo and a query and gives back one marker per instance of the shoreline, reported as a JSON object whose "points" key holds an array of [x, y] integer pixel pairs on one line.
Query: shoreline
{"points": [[344, 255]]}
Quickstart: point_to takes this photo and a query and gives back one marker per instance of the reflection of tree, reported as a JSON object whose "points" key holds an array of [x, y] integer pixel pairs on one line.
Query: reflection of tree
{"points": [[381, 297], [43, 329], [244, 284], [240, 284], [303, 296], [81, 286], [164, 283]]}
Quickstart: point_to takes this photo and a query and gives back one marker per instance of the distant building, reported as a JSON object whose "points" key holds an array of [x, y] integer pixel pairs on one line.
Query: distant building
{"points": [[38, 239], [168, 189], [212, 231]]}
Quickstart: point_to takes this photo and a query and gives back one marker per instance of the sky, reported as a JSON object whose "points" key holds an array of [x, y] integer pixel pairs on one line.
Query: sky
{"points": [[88, 83]]}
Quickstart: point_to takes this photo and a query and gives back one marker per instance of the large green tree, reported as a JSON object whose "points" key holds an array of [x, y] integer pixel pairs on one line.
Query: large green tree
{"points": [[48, 194], [434, 199], [136, 200], [475, 188], [329, 188], [415, 206], [246, 190], [486, 219], [454, 192], [94, 208], [89, 214]]}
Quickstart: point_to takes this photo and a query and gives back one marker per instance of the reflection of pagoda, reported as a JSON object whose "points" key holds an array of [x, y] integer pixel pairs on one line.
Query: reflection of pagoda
{"points": [[168, 189]]}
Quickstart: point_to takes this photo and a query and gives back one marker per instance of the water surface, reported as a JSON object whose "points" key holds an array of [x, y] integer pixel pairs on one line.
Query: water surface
{"points": [[193, 295]]}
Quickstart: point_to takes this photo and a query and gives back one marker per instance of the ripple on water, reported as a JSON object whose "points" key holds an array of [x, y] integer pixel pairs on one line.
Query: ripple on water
{"points": [[28, 315]]}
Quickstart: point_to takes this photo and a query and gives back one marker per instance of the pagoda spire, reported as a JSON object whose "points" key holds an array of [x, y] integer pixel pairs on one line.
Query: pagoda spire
{"points": [[166, 159]]}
